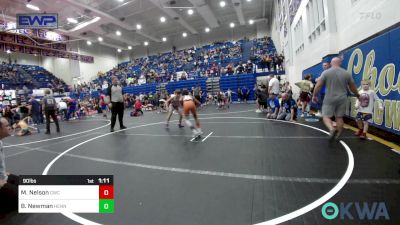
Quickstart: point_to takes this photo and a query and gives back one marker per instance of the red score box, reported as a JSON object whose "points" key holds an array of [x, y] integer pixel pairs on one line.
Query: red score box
{"points": [[106, 192]]}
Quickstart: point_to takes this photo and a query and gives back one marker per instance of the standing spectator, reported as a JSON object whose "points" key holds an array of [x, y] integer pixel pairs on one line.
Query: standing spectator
{"points": [[325, 66], [273, 86], [239, 92], [35, 110], [305, 92], [365, 107], [117, 103], [262, 100], [287, 88], [245, 93], [49, 106], [337, 81]]}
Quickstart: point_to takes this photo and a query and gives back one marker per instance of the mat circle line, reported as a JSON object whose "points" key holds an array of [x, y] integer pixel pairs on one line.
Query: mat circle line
{"points": [[289, 216]]}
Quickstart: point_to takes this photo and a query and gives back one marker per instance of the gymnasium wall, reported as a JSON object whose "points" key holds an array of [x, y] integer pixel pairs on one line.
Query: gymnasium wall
{"points": [[105, 58], [346, 22]]}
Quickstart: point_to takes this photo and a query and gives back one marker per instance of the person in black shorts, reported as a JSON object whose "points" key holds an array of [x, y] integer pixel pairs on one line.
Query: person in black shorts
{"points": [[49, 106]]}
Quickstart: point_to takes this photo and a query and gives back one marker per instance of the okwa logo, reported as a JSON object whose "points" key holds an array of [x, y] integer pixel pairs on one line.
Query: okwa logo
{"points": [[354, 210]]}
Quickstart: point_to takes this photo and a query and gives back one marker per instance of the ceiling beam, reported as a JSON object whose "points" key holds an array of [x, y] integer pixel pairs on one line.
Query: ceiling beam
{"points": [[237, 5], [205, 12], [110, 18], [172, 14]]}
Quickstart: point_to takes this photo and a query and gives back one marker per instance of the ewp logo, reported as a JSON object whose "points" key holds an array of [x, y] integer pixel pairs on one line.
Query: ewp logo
{"points": [[364, 211], [47, 21]]}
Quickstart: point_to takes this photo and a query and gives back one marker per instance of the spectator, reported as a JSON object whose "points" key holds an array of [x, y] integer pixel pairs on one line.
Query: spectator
{"points": [[305, 92], [138, 107], [63, 109], [286, 88], [337, 81], [245, 93], [8, 182], [249, 67], [288, 109], [240, 68], [273, 107], [262, 100], [274, 86], [35, 110]]}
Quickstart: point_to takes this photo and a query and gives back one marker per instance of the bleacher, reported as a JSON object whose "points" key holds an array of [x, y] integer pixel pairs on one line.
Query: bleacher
{"points": [[172, 62], [33, 77]]}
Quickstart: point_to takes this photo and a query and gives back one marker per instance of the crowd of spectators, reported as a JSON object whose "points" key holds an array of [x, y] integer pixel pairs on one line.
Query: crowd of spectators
{"points": [[220, 58]]}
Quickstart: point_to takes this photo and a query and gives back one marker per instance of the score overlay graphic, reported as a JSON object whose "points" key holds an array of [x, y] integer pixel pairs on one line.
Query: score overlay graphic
{"points": [[66, 193]]}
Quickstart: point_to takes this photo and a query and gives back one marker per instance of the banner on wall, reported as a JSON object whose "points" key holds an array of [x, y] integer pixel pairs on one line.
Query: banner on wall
{"points": [[378, 60], [24, 40], [22, 44], [7, 37], [32, 50]]}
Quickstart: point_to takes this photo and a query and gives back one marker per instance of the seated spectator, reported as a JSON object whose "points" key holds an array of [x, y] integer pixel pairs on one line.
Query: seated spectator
{"points": [[273, 107], [230, 69], [249, 67], [138, 107], [288, 109], [240, 69]]}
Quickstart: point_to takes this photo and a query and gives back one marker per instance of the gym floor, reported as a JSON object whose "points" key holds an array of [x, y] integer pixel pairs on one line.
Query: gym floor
{"points": [[244, 170]]}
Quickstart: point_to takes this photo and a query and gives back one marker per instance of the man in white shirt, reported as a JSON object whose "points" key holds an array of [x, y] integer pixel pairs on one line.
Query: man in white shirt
{"points": [[273, 85]]}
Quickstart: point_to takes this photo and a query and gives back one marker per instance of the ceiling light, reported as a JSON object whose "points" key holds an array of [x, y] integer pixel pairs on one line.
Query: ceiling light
{"points": [[162, 19], [251, 22], [207, 29], [222, 3], [164, 39], [32, 7], [138, 26], [184, 34], [82, 25], [232, 25], [8, 51], [190, 11], [100, 39], [119, 50], [72, 20], [146, 43], [248, 0], [118, 33], [89, 43], [130, 47], [120, 0]]}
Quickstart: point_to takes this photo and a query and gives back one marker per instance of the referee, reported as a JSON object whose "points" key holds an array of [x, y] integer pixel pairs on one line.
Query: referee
{"points": [[117, 103]]}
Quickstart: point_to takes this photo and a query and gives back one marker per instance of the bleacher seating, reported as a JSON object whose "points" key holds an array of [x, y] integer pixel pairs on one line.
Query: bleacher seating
{"points": [[15, 76]]}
